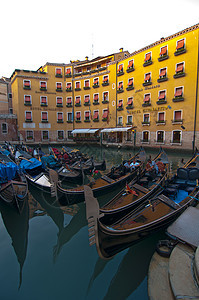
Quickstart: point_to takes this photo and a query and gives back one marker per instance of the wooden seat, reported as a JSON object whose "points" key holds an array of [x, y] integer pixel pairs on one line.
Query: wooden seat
{"points": [[140, 188]]}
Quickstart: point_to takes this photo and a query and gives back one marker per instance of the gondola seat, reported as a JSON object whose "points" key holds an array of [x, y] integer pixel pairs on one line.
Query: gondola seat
{"points": [[182, 177], [171, 191], [193, 174]]}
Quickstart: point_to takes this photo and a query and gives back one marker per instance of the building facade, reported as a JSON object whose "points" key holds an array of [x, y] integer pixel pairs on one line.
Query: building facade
{"points": [[149, 97], [8, 121]]}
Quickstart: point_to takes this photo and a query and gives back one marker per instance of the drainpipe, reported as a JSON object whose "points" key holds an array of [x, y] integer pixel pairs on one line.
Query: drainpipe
{"points": [[116, 95], [196, 102], [73, 100]]}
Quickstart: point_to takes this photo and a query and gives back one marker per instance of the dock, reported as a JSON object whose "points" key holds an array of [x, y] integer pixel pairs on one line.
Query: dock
{"points": [[177, 276]]}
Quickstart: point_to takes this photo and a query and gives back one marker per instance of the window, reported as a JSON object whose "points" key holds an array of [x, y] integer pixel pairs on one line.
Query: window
{"points": [[179, 70], [120, 69], [146, 119], [105, 115], [86, 116], [129, 120], [98, 66], [95, 98], [147, 99], [178, 95], [68, 72], [180, 47], [130, 84], [28, 116], [44, 116], [4, 128], [87, 100], [162, 75], [120, 86], [145, 136], [68, 86], [77, 86], [43, 85], [176, 136], [120, 105], [69, 133], [77, 101], [162, 97], [60, 117], [177, 116], [43, 100], [29, 135], [58, 86], [161, 117], [130, 66], [27, 84], [105, 97], [69, 117], [79, 70], [147, 59], [105, 80], [88, 69], [27, 100], [69, 101], [60, 134], [147, 77], [59, 101], [163, 53], [78, 116], [96, 115], [160, 136], [96, 82], [120, 121], [45, 135], [58, 72], [87, 84], [130, 102]]}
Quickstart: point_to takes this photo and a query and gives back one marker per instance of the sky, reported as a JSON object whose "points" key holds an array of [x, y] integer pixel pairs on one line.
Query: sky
{"points": [[40, 31]]}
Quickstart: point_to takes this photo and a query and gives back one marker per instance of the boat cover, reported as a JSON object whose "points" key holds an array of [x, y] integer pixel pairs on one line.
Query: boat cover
{"points": [[29, 164], [49, 160], [8, 171]]}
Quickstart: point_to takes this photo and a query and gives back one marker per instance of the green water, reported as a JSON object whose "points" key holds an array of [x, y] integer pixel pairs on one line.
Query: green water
{"points": [[49, 244]]}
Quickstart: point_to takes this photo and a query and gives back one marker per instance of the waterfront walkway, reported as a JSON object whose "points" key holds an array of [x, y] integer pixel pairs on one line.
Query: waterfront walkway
{"points": [[177, 276]]}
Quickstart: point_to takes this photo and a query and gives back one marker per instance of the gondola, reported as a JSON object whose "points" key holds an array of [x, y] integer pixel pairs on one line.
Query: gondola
{"points": [[13, 183], [117, 177], [138, 189], [65, 172], [153, 214]]}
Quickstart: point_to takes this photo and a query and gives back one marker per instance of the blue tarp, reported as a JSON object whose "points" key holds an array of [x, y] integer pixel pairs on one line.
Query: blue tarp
{"points": [[8, 171], [29, 164], [49, 161], [4, 151]]}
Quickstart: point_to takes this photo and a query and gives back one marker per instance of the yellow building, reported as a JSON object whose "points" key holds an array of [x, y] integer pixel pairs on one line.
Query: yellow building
{"points": [[148, 97]]}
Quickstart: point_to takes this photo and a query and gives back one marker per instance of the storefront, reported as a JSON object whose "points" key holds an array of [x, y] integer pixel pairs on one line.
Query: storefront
{"points": [[82, 135], [124, 135]]}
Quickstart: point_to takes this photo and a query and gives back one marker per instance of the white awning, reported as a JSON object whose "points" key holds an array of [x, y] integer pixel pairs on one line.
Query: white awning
{"points": [[117, 129], [80, 131], [93, 130], [84, 131]]}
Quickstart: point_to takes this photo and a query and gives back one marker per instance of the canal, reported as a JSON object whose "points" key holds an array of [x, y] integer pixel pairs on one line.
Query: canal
{"points": [[45, 252]]}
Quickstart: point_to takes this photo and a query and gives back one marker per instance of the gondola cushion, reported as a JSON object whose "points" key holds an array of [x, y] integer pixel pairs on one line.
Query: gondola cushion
{"points": [[8, 171]]}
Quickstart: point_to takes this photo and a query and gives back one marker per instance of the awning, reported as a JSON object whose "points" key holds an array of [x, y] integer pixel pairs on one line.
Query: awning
{"points": [[84, 131], [116, 129]]}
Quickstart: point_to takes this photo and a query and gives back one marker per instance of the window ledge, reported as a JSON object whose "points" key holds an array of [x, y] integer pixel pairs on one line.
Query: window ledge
{"points": [[178, 75], [178, 52], [43, 89], [162, 79], [105, 101], [77, 121], [147, 83], [28, 104], [95, 103], [178, 99], [59, 90], [129, 88], [105, 83], [95, 120], [87, 121], [69, 121], [161, 58], [130, 70], [68, 105], [58, 75], [87, 104], [177, 122], [86, 87], [120, 73], [68, 90], [147, 63], [160, 123], [77, 89], [95, 86], [160, 102], [129, 107], [146, 104], [77, 105], [145, 123], [120, 91]]}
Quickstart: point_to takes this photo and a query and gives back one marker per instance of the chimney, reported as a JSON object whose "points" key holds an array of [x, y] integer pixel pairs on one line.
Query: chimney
{"points": [[121, 49], [86, 57]]}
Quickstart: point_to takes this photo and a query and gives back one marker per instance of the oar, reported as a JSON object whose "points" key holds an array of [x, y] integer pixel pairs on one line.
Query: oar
{"points": [[21, 157]]}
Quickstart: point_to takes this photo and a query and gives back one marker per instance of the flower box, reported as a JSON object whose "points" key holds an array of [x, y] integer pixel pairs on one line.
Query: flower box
{"points": [[78, 121], [27, 88], [87, 121], [178, 75], [105, 101], [77, 104], [178, 99], [44, 104], [129, 88], [87, 104], [60, 121], [43, 89], [159, 102], [120, 73], [180, 51], [147, 83], [95, 102], [146, 123], [104, 119], [147, 63], [162, 79], [59, 105], [120, 91], [68, 105], [58, 90], [69, 90], [146, 104], [69, 121], [58, 75], [131, 69], [95, 120], [77, 89], [95, 86], [161, 58], [105, 83], [28, 104], [120, 108], [28, 121], [86, 87]]}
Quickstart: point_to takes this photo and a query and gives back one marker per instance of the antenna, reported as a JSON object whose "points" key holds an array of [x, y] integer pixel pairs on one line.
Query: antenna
{"points": [[92, 55]]}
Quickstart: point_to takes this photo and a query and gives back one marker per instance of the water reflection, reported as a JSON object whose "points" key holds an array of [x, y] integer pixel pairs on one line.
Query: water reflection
{"points": [[17, 226]]}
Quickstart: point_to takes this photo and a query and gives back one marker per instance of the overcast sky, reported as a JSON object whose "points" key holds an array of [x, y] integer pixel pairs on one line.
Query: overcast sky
{"points": [[40, 31]]}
